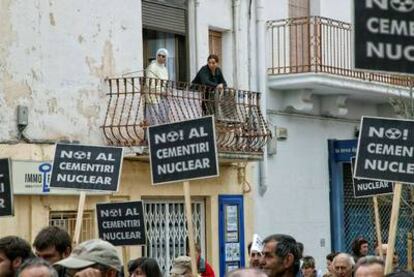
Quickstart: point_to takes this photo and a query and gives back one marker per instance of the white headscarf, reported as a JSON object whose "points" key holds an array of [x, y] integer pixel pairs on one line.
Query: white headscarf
{"points": [[162, 51]]}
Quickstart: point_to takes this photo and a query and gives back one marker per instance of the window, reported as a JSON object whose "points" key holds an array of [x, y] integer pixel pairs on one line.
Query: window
{"points": [[67, 221], [165, 25], [166, 230]]}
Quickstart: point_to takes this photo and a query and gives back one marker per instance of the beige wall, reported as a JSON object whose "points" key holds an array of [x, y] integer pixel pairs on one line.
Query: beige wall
{"points": [[32, 212]]}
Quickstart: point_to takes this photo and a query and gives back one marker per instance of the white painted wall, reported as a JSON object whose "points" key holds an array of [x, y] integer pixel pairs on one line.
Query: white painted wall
{"points": [[297, 199], [337, 9], [55, 56]]}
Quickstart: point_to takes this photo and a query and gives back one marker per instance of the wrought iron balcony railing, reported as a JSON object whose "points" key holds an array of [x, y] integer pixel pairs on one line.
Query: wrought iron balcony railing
{"points": [[137, 102], [318, 44]]}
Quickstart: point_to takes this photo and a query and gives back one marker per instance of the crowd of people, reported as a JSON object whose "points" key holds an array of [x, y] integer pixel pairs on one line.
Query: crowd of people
{"points": [[282, 256], [51, 255]]}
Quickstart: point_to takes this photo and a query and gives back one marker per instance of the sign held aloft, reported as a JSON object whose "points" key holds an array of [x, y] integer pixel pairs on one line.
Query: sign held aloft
{"points": [[384, 35], [367, 188], [386, 150], [86, 167], [121, 223], [6, 192], [183, 150]]}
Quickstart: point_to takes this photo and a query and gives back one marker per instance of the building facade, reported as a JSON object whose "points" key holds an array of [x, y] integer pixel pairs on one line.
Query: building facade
{"points": [[315, 100], [74, 73]]}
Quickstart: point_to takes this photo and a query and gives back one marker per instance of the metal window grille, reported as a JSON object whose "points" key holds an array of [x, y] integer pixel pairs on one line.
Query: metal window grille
{"points": [[359, 217], [167, 230], [67, 221]]}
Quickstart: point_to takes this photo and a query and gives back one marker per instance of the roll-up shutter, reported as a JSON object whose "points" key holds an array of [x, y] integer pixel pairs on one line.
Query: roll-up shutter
{"points": [[164, 18]]}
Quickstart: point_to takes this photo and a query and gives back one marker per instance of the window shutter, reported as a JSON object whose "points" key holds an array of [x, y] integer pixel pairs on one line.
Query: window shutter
{"points": [[164, 18]]}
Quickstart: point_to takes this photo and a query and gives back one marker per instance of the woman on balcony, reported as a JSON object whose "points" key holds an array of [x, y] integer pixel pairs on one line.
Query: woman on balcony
{"points": [[157, 74], [212, 78]]}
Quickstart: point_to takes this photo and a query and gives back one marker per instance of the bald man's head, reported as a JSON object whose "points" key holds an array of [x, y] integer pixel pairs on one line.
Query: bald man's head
{"points": [[343, 265], [369, 266]]}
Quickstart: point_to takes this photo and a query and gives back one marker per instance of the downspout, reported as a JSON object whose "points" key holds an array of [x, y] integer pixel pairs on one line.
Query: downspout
{"points": [[193, 35], [236, 37], [249, 45], [261, 84]]}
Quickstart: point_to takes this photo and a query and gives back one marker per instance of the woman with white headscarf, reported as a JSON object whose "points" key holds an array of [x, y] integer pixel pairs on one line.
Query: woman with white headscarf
{"points": [[155, 110]]}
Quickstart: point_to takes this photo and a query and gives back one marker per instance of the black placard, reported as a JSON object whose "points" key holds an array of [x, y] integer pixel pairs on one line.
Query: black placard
{"points": [[6, 194], [183, 150], [367, 188], [121, 223], [386, 150], [86, 167], [384, 35]]}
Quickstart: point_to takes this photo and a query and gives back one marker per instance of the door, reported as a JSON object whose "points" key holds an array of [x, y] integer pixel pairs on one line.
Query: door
{"points": [[231, 233]]}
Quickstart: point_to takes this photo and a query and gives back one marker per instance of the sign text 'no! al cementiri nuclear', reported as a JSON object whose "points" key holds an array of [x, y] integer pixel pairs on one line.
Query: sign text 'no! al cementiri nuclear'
{"points": [[183, 150], [86, 167], [121, 223], [386, 150], [384, 35], [368, 188]]}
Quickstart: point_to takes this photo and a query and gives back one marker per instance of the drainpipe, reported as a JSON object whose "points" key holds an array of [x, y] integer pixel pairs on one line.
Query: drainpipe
{"points": [[236, 37], [193, 29], [261, 84]]}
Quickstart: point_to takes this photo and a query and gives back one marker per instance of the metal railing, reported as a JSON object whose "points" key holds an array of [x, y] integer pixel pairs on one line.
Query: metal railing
{"points": [[137, 102], [319, 44]]}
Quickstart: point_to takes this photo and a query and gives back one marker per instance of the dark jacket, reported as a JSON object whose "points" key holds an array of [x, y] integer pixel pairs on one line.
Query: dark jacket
{"points": [[206, 78]]}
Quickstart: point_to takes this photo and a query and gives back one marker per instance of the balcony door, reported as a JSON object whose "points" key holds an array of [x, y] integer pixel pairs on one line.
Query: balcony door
{"points": [[299, 35], [165, 26]]}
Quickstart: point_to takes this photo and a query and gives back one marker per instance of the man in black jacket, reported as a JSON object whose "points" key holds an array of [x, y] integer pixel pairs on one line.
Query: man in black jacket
{"points": [[211, 77]]}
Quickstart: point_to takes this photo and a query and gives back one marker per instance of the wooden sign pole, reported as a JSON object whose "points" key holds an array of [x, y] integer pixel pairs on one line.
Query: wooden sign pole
{"points": [[409, 251], [189, 215], [377, 226], [79, 218], [125, 258], [393, 227]]}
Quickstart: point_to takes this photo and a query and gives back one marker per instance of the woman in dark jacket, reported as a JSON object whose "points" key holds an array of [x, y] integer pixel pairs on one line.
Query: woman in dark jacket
{"points": [[212, 78]]}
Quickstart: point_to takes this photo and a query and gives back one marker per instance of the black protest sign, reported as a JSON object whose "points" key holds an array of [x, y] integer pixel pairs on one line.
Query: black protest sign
{"points": [[384, 35], [183, 150], [86, 167], [121, 223], [6, 194], [367, 188], [386, 150]]}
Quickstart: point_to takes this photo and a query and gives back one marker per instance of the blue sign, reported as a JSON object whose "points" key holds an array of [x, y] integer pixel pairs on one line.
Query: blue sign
{"points": [[344, 150]]}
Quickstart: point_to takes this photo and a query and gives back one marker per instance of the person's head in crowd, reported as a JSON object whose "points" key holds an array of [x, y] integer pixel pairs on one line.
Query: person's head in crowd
{"points": [[369, 266], [300, 248], [359, 247], [162, 55], [181, 267], [13, 252], [254, 256], [144, 267], [280, 256], [401, 273], [52, 244], [395, 258], [36, 267], [92, 257], [329, 260], [308, 267], [212, 62], [246, 272], [343, 265]]}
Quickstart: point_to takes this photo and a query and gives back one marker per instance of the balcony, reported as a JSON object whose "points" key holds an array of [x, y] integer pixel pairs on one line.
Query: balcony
{"points": [[240, 128], [316, 53]]}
